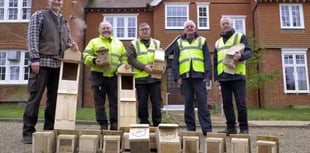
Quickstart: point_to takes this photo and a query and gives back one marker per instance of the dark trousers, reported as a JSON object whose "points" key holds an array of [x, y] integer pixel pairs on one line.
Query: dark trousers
{"points": [[143, 93], [191, 87], [46, 78], [102, 86], [238, 88]]}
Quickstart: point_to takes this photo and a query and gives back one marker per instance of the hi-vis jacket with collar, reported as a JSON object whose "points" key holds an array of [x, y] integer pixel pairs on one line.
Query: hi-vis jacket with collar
{"points": [[221, 49], [117, 54], [191, 54], [144, 55]]}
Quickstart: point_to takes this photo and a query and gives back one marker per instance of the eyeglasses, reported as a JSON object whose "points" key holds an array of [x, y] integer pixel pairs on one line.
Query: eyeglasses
{"points": [[146, 29], [189, 26]]}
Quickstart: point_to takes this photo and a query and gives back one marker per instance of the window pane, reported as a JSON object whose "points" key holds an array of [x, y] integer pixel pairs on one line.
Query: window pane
{"points": [[296, 16], [26, 13], [2, 58], [176, 11], [1, 3], [290, 80], [300, 59], [302, 80], [1, 14], [2, 73], [176, 22], [120, 32], [26, 66], [13, 14], [285, 15], [288, 59], [14, 73], [132, 27], [203, 11], [202, 22], [26, 3], [238, 25], [13, 3], [109, 20]]}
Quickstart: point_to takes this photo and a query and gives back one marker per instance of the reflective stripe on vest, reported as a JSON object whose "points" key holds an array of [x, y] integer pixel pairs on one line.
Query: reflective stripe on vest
{"points": [[144, 55], [221, 49], [115, 52], [191, 54]]}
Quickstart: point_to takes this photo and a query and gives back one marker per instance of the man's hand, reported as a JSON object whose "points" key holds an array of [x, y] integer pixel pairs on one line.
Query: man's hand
{"points": [[237, 56], [35, 66], [148, 68], [206, 80], [179, 81], [74, 46]]}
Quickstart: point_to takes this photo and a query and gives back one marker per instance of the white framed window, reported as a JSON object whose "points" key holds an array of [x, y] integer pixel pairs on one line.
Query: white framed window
{"points": [[124, 25], [176, 14], [291, 16], [203, 15], [15, 10], [14, 66], [295, 70]]}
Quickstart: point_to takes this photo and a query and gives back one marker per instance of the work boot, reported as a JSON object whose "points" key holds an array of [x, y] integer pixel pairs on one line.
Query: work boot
{"points": [[229, 131], [244, 132], [113, 126], [27, 140], [104, 127]]}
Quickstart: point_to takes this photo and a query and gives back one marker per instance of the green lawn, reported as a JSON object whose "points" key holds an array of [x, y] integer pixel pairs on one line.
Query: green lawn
{"points": [[16, 111]]}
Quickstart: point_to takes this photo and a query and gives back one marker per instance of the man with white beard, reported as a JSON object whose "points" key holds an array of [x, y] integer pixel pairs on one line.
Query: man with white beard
{"points": [[103, 77]]}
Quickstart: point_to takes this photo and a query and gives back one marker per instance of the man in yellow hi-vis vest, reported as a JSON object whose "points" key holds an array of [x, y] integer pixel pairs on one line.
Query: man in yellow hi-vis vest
{"points": [[141, 56], [192, 70], [103, 78], [232, 84]]}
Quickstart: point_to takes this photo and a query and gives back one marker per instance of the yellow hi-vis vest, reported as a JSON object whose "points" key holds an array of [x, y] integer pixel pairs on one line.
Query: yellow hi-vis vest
{"points": [[221, 49], [117, 54], [191, 54], [144, 55]]}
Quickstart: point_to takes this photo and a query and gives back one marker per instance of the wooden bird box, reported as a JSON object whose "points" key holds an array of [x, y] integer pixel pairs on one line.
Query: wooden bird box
{"points": [[267, 144], [127, 96], [168, 140], [67, 94], [44, 142], [103, 56], [139, 138], [229, 61], [159, 63]]}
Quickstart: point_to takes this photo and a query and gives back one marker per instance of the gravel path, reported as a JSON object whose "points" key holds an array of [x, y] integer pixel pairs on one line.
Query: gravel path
{"points": [[292, 139]]}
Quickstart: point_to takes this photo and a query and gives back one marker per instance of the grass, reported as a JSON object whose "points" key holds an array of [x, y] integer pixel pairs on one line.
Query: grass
{"points": [[88, 114]]}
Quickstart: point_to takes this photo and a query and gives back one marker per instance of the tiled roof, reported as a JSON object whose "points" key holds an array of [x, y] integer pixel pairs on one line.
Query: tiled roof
{"points": [[118, 3]]}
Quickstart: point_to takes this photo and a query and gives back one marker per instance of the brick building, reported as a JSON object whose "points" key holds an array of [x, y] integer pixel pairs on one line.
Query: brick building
{"points": [[281, 27]]}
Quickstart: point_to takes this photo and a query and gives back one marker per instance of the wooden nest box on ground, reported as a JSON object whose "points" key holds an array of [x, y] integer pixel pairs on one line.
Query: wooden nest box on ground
{"points": [[67, 95], [127, 96]]}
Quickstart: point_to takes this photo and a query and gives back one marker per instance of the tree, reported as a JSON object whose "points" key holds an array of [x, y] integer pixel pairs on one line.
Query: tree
{"points": [[255, 78]]}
